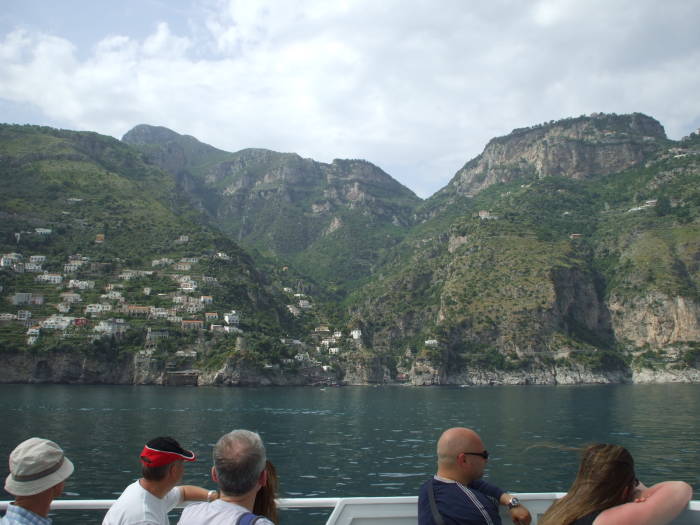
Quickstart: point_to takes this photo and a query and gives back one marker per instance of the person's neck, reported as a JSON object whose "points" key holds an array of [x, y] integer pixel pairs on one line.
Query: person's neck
{"points": [[454, 476], [158, 488], [246, 500], [39, 506]]}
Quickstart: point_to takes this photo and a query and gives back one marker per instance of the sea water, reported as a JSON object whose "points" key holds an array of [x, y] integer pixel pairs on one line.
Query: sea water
{"points": [[355, 441]]}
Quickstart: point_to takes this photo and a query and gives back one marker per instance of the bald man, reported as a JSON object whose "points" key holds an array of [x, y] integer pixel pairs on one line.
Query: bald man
{"points": [[456, 495]]}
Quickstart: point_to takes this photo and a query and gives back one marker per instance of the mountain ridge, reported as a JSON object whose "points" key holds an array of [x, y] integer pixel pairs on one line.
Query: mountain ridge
{"points": [[290, 207], [565, 250]]}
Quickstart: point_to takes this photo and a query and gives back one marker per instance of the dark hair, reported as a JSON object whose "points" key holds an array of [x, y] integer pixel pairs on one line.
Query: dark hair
{"points": [[239, 459], [166, 444], [155, 473], [265, 504], [605, 479]]}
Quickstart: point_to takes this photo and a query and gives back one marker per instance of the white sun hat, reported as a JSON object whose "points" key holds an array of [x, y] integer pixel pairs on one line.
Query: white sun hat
{"points": [[36, 465]]}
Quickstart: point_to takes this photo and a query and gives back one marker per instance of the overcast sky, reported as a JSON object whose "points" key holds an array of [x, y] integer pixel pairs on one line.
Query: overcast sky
{"points": [[415, 87]]}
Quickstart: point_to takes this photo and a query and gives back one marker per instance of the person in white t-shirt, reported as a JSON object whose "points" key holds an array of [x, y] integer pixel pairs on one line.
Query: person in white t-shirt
{"points": [[148, 500], [239, 469]]}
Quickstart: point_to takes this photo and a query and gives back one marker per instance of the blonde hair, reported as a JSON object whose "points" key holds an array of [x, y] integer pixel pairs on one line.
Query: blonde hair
{"points": [[605, 479]]}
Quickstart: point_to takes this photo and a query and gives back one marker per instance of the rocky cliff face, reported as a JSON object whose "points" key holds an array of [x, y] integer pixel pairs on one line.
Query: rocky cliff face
{"points": [[578, 308], [74, 369], [574, 148], [263, 189], [27, 367], [423, 374], [138, 369], [366, 371], [504, 292], [655, 319]]}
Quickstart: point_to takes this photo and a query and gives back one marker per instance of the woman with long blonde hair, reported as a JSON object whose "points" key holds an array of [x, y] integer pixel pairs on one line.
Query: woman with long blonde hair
{"points": [[606, 492]]}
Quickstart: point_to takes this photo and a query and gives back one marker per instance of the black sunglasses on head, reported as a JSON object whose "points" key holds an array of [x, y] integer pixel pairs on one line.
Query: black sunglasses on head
{"points": [[484, 454]]}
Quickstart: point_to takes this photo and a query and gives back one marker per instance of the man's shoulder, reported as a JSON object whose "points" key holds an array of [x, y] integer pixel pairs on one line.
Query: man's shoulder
{"points": [[15, 515], [125, 499], [138, 506], [426, 484], [216, 512], [196, 512], [131, 488]]}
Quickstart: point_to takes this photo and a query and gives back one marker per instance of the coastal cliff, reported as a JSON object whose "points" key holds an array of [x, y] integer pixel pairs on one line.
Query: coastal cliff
{"points": [[655, 319], [66, 368]]}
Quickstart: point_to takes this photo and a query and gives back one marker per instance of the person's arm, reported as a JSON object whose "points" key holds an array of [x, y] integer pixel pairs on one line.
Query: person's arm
{"points": [[520, 515], [192, 493], [487, 488], [655, 505]]}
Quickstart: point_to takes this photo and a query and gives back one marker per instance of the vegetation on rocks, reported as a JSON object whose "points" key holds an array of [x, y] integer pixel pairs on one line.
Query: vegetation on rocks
{"points": [[573, 243]]}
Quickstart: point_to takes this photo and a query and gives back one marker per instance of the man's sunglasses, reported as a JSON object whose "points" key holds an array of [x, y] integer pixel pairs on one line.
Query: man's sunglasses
{"points": [[484, 454]]}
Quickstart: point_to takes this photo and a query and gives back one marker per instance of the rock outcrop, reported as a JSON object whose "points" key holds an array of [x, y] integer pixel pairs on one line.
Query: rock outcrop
{"points": [[366, 371], [139, 369], [574, 148], [655, 319], [424, 374], [68, 368]]}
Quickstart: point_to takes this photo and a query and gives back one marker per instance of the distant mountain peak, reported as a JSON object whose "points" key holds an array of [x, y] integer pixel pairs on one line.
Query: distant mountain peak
{"points": [[147, 134]]}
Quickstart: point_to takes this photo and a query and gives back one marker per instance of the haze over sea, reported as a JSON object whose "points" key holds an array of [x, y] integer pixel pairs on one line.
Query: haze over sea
{"points": [[355, 441]]}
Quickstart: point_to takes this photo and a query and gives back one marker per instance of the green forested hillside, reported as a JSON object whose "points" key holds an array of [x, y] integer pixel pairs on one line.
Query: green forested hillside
{"points": [[560, 268], [329, 221], [570, 244], [98, 203]]}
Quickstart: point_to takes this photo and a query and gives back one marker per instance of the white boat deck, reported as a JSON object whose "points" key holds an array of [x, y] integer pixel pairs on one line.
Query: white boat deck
{"points": [[400, 510]]}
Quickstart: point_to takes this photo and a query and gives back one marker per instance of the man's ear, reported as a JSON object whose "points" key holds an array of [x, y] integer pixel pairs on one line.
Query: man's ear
{"points": [[263, 478], [172, 470], [214, 475], [57, 489]]}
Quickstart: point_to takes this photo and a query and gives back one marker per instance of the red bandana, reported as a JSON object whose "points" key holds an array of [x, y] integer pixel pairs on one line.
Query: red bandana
{"points": [[151, 457]]}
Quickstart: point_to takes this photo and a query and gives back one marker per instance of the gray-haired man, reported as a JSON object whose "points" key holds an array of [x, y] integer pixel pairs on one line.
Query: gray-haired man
{"points": [[239, 470], [38, 471]]}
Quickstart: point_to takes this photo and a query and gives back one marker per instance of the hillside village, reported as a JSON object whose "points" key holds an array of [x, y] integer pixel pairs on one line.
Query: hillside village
{"points": [[76, 298]]}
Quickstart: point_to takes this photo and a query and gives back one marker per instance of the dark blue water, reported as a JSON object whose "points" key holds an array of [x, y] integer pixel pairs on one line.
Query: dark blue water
{"points": [[356, 441]]}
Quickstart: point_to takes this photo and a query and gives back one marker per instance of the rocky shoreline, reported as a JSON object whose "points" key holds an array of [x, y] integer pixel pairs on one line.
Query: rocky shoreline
{"points": [[61, 368]]}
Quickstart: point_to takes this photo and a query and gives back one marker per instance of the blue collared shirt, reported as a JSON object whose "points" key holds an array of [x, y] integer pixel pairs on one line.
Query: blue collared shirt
{"points": [[18, 516]]}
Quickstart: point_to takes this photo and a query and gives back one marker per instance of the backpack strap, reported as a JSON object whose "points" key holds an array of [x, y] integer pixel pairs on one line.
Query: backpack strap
{"points": [[247, 519], [437, 517]]}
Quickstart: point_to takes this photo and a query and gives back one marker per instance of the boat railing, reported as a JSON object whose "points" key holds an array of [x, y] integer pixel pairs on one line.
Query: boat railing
{"points": [[397, 510], [104, 504]]}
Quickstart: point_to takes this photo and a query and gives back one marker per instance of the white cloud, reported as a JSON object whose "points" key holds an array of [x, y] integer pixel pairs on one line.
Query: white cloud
{"points": [[163, 44], [416, 89]]}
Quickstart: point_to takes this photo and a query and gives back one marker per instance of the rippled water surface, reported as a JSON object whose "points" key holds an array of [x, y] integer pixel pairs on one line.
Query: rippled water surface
{"points": [[356, 441]]}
